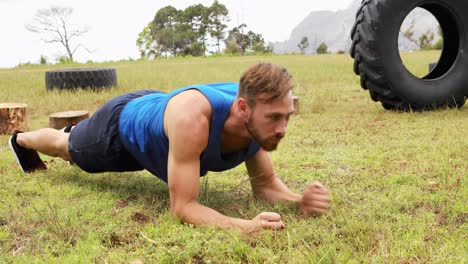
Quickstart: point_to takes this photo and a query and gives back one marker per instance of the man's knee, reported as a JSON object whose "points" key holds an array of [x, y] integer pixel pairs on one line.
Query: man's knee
{"points": [[60, 146]]}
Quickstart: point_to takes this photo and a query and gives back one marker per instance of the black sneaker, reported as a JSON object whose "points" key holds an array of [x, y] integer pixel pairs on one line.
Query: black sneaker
{"points": [[67, 129], [27, 159]]}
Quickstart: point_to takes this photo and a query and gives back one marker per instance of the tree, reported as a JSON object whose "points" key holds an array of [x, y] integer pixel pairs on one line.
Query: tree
{"points": [[43, 60], [232, 48], [303, 45], [440, 42], [408, 34], [237, 36], [247, 43], [163, 29], [257, 43], [425, 40], [182, 32], [196, 23], [54, 23], [148, 47], [322, 49], [218, 16], [269, 48], [197, 49]]}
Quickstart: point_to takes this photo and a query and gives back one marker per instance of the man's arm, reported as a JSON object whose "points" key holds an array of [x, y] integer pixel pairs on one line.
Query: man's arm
{"points": [[184, 191], [267, 186], [188, 132]]}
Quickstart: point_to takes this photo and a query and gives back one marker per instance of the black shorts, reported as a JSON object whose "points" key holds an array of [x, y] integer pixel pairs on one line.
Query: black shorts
{"points": [[94, 144]]}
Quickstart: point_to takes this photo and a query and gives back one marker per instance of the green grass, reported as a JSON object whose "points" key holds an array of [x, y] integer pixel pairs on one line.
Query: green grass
{"points": [[398, 180]]}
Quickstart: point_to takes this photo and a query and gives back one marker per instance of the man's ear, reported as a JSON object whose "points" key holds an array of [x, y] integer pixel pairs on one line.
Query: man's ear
{"points": [[243, 108]]}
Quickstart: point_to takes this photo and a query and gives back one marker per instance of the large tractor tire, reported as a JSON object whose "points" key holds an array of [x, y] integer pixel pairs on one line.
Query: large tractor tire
{"points": [[378, 63], [84, 78]]}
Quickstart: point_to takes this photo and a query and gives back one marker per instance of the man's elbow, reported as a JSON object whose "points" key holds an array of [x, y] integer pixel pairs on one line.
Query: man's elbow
{"points": [[262, 195], [263, 188], [181, 211], [177, 211]]}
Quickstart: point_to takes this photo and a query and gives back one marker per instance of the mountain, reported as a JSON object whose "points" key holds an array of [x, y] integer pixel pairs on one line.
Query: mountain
{"points": [[333, 28]]}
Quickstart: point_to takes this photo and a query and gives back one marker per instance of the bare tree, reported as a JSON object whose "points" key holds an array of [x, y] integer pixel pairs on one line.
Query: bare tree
{"points": [[54, 23]]}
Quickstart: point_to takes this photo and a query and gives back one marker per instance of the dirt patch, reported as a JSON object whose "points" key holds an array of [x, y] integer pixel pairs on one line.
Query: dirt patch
{"points": [[442, 219], [140, 218], [428, 237], [408, 260], [121, 204], [118, 239], [311, 167], [198, 259], [460, 219]]}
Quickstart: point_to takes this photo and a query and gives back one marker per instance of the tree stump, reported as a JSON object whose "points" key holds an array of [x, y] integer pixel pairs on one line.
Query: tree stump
{"points": [[12, 117], [296, 104], [60, 120]]}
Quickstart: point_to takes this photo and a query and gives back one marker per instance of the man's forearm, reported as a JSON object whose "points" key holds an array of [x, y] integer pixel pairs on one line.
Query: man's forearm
{"points": [[197, 214], [276, 191]]}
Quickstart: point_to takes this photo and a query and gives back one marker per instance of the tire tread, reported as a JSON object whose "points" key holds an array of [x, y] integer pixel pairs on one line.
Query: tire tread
{"points": [[368, 64], [84, 78]]}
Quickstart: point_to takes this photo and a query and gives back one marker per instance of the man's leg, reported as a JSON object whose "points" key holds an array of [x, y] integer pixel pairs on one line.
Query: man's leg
{"points": [[47, 141]]}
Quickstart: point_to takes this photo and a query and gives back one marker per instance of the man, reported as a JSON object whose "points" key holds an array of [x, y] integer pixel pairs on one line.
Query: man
{"points": [[181, 135]]}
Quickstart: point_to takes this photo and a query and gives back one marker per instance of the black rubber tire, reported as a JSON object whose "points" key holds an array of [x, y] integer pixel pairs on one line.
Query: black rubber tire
{"points": [[84, 78], [377, 59]]}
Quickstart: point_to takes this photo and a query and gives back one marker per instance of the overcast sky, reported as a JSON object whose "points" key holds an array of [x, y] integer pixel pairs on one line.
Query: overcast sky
{"points": [[114, 25]]}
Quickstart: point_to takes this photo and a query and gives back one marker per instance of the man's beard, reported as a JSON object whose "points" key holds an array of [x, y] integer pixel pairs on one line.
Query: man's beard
{"points": [[268, 143]]}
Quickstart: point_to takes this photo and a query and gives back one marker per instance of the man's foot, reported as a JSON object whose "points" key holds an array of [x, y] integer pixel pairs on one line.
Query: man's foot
{"points": [[27, 159]]}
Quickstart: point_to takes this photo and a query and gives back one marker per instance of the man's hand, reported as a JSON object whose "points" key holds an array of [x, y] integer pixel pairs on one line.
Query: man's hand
{"points": [[265, 220], [316, 199]]}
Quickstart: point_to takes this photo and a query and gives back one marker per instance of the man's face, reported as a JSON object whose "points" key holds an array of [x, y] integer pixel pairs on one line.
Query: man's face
{"points": [[267, 122]]}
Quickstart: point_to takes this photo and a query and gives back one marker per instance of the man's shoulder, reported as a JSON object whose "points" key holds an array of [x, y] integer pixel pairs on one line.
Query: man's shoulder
{"points": [[190, 111], [187, 123], [214, 90], [190, 102]]}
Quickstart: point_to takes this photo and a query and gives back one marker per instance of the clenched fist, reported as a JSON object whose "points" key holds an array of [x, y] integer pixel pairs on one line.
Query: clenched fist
{"points": [[316, 199], [265, 220]]}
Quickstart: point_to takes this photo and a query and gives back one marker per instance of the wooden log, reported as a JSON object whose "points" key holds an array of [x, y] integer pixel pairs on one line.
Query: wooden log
{"points": [[12, 117], [296, 103], [60, 120]]}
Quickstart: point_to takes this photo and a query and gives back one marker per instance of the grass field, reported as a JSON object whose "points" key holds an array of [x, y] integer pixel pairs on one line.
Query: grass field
{"points": [[398, 180]]}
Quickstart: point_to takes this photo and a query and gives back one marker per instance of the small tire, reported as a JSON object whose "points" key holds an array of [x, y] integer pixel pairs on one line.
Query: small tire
{"points": [[378, 63], [84, 78]]}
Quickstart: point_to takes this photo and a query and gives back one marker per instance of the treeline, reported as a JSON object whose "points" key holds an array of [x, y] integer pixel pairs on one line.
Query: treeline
{"points": [[197, 30]]}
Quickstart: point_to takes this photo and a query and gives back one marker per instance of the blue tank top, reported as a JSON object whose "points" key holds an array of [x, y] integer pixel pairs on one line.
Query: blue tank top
{"points": [[142, 133]]}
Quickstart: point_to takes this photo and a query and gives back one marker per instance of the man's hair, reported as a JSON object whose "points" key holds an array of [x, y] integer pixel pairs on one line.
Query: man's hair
{"points": [[264, 78]]}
